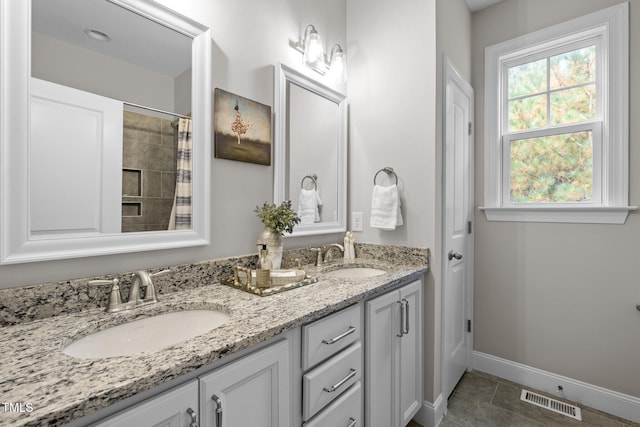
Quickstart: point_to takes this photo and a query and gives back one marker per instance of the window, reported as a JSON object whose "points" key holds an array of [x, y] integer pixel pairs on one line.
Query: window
{"points": [[556, 134]]}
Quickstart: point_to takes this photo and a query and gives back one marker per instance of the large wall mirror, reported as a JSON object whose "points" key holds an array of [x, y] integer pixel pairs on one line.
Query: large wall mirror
{"points": [[106, 130], [310, 151]]}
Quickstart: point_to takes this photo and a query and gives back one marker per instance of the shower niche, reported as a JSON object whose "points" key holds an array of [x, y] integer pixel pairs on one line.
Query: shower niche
{"points": [[149, 165]]}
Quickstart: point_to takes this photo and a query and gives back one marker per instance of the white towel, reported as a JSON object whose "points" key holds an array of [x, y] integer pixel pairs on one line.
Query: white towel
{"points": [[385, 207], [308, 206]]}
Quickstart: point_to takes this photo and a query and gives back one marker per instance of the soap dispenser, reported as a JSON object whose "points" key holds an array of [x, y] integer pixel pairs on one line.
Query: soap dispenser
{"points": [[263, 269]]}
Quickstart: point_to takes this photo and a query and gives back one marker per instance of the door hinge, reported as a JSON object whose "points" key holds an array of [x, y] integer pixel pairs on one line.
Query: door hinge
{"points": [[469, 325], [470, 126], [469, 227]]}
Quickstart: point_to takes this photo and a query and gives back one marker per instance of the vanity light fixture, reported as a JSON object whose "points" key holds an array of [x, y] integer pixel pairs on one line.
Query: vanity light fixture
{"points": [[313, 51], [97, 35], [314, 57], [338, 65]]}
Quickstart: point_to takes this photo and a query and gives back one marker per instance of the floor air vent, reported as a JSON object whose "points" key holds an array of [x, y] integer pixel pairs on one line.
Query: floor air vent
{"points": [[551, 404]]}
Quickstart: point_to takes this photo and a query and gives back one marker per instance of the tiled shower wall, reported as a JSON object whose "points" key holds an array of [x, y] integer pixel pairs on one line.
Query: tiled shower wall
{"points": [[148, 172]]}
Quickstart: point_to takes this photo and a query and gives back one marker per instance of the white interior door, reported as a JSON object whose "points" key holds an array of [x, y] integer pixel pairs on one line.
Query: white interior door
{"points": [[75, 162], [457, 249]]}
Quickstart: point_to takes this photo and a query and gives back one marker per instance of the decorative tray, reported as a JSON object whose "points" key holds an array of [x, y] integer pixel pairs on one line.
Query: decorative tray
{"points": [[281, 280]]}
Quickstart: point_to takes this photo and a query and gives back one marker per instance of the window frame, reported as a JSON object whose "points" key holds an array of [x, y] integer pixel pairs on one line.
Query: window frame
{"points": [[608, 29]]}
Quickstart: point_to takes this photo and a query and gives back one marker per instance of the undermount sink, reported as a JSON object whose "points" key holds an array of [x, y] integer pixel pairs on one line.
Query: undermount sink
{"points": [[148, 334], [355, 272]]}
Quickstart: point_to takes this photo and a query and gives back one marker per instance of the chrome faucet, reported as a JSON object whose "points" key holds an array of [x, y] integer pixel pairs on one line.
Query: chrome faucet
{"points": [[327, 251], [322, 253], [141, 279]]}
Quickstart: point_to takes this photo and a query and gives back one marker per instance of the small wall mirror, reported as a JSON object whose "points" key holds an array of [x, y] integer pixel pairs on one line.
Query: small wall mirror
{"points": [[310, 151], [107, 105]]}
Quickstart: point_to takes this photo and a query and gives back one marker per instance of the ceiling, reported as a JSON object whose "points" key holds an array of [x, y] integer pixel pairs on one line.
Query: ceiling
{"points": [[134, 39], [476, 5]]}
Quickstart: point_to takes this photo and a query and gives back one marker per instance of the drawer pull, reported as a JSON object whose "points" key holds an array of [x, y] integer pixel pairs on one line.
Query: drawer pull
{"points": [[403, 318], [405, 330], [194, 417], [218, 402], [352, 373], [351, 330], [352, 423]]}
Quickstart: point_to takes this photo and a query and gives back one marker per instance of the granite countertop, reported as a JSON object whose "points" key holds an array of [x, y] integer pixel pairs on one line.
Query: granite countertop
{"points": [[60, 388]]}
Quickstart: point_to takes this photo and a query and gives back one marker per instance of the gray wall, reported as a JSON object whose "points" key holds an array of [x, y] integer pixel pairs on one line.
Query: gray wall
{"points": [[558, 297], [249, 37], [392, 111]]}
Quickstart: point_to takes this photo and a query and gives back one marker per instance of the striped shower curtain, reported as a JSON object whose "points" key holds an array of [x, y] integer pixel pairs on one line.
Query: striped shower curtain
{"points": [[181, 212]]}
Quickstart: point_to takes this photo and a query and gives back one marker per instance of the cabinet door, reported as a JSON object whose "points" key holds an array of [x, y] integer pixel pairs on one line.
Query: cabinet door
{"points": [[252, 391], [393, 382], [410, 358], [170, 409], [382, 327]]}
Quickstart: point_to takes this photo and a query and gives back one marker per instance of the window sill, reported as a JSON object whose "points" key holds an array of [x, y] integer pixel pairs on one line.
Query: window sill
{"points": [[570, 214]]}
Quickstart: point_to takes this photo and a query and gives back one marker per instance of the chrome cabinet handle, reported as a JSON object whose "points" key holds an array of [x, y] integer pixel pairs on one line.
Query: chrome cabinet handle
{"points": [[352, 422], [194, 417], [452, 255], [405, 330], [218, 410], [351, 330], [403, 318], [352, 373]]}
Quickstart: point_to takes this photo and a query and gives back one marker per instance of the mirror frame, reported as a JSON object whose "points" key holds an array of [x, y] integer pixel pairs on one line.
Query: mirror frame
{"points": [[284, 75], [16, 245]]}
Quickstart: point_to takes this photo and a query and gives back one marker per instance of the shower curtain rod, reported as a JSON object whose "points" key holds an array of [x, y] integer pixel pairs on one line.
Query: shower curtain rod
{"points": [[157, 110]]}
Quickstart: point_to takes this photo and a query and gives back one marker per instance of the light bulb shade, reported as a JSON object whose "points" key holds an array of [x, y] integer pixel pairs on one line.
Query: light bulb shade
{"points": [[313, 51], [338, 67]]}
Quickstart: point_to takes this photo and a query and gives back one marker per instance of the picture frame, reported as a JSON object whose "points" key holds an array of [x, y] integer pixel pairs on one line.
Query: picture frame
{"points": [[241, 128]]}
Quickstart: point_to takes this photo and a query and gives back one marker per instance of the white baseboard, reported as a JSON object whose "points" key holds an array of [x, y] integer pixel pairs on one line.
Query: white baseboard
{"points": [[431, 414], [602, 399]]}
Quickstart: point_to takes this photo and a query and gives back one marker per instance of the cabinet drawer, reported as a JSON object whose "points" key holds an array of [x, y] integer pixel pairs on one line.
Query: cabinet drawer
{"points": [[327, 336], [345, 411], [325, 383]]}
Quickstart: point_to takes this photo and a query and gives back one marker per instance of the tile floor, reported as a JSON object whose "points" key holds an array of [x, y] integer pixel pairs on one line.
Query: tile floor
{"points": [[482, 400]]}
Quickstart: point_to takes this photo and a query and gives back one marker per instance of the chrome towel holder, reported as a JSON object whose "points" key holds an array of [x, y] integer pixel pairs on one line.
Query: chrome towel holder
{"points": [[313, 177], [389, 171]]}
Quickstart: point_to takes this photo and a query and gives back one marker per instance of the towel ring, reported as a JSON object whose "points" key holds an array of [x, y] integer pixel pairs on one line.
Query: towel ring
{"points": [[388, 170], [313, 178]]}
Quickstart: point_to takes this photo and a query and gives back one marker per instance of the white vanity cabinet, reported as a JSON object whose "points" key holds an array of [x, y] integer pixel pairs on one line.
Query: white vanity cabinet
{"points": [[393, 357], [332, 363], [359, 366], [252, 391], [175, 408]]}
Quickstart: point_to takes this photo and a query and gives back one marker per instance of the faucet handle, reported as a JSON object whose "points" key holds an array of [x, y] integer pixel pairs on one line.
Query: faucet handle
{"points": [[160, 273], [115, 297], [318, 257], [103, 282]]}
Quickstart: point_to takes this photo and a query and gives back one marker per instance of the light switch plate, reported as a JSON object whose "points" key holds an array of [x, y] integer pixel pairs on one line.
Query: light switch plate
{"points": [[356, 221]]}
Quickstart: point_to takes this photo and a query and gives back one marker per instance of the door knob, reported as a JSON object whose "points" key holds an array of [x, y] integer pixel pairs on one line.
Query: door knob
{"points": [[456, 255]]}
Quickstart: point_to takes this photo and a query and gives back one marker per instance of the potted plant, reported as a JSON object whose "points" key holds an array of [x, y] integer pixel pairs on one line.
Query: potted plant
{"points": [[277, 219]]}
